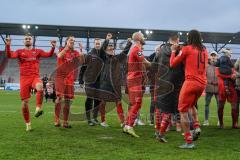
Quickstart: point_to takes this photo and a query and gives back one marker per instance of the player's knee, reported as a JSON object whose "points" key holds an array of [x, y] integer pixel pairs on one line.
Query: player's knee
{"points": [[183, 115], [67, 101], [25, 103], [39, 86], [58, 99], [139, 102]]}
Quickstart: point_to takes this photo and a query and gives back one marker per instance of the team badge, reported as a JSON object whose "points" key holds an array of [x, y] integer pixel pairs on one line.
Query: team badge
{"points": [[139, 54]]}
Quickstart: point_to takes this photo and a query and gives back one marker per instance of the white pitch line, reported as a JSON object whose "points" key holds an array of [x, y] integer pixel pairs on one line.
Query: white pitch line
{"points": [[8, 111]]}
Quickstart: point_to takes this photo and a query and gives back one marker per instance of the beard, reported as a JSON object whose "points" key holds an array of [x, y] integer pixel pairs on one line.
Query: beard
{"points": [[110, 53], [213, 62], [71, 48], [142, 42], [28, 45]]}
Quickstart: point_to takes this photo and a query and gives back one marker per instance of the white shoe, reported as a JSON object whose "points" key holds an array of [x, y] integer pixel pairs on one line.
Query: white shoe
{"points": [[38, 112], [206, 123], [28, 127], [135, 122], [196, 133], [198, 130], [168, 128], [140, 122], [104, 124], [129, 130], [151, 123], [178, 127]]}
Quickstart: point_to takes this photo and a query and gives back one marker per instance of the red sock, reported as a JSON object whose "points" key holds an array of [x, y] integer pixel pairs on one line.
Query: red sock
{"points": [[133, 113], [26, 115], [165, 122], [66, 110], [39, 98], [120, 112], [188, 137], [158, 118], [57, 112], [196, 124], [102, 112]]}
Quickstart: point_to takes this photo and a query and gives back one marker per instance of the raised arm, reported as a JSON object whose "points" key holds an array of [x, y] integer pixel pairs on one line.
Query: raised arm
{"points": [[62, 52], [128, 46], [10, 54], [51, 52], [122, 56], [176, 60], [104, 46], [81, 56]]}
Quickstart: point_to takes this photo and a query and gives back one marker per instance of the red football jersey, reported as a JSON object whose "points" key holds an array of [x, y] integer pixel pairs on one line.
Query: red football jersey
{"points": [[135, 66], [68, 57], [195, 63], [28, 59]]}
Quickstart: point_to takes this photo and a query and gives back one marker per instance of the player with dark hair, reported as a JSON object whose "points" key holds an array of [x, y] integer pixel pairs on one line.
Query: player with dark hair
{"points": [[168, 86], [195, 58], [65, 77]]}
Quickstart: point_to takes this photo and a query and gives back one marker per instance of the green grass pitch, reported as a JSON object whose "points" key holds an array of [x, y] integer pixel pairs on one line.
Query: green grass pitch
{"points": [[85, 142]]}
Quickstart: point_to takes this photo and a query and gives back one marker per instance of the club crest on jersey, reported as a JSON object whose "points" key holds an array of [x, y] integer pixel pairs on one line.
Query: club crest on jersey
{"points": [[139, 54]]}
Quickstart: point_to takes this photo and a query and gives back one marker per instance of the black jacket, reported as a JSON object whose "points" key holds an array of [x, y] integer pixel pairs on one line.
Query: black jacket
{"points": [[225, 65], [90, 73], [169, 80], [91, 70], [110, 78], [151, 57]]}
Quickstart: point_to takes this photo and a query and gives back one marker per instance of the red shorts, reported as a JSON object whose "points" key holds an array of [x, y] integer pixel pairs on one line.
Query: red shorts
{"points": [[135, 95], [222, 94], [135, 91], [189, 94], [64, 90], [26, 84]]}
